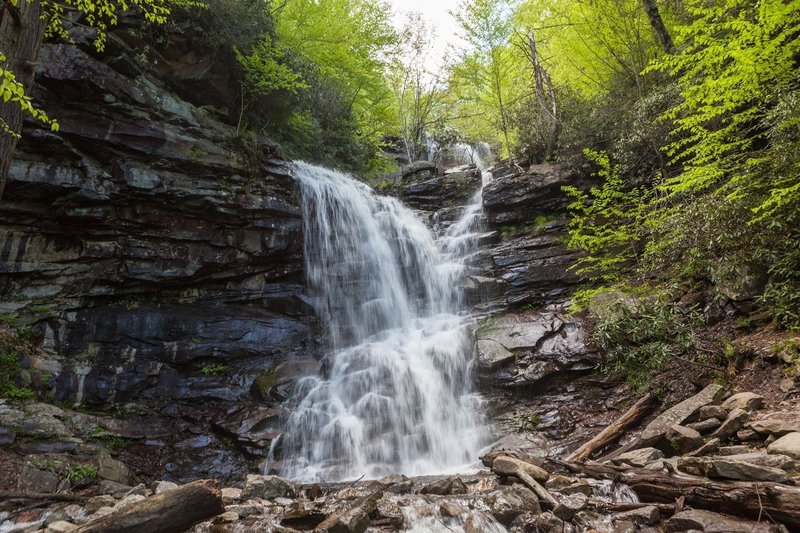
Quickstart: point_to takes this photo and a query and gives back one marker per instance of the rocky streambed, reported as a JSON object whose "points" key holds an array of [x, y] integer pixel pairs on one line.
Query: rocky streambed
{"points": [[713, 462]]}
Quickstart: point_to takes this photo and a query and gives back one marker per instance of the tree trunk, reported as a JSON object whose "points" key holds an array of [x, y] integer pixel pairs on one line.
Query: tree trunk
{"points": [[548, 106], [739, 498], [658, 25], [612, 432], [171, 511], [20, 38]]}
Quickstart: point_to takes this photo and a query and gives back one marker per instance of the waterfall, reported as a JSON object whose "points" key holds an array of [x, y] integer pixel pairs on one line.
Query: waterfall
{"points": [[396, 393]]}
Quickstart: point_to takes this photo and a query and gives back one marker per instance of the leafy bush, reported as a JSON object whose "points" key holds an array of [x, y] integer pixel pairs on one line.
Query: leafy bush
{"points": [[607, 223], [640, 336]]}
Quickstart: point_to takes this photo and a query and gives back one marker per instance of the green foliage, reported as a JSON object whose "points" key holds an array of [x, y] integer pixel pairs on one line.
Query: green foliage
{"points": [[10, 367], [737, 60], [214, 370], [265, 70], [113, 442], [78, 473], [12, 91], [606, 223], [640, 336]]}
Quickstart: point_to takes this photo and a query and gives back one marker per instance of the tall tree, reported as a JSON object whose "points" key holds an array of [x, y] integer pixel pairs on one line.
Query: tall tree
{"points": [[419, 92], [658, 25], [486, 25], [21, 32]]}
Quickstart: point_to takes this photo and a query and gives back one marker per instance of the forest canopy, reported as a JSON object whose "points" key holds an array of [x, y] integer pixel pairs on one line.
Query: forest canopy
{"points": [[687, 110]]}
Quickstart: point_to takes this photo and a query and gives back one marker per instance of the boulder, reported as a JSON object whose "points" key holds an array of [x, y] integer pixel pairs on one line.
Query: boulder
{"points": [[683, 439], [734, 422], [747, 401], [710, 522], [678, 413], [644, 516], [789, 445], [267, 487], [569, 505], [712, 411], [506, 505], [706, 426], [640, 457], [34, 480], [523, 349], [61, 526], [774, 426], [388, 512], [728, 468], [734, 450], [445, 486], [706, 449]]}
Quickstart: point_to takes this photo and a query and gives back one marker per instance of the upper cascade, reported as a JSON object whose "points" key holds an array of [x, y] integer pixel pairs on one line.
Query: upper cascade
{"points": [[397, 392]]}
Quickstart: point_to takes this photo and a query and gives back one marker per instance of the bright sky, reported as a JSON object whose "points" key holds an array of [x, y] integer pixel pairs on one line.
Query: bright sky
{"points": [[437, 13]]}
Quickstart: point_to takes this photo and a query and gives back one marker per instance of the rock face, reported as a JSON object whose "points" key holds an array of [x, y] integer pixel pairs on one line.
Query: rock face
{"points": [[146, 241], [525, 349], [154, 254], [529, 209]]}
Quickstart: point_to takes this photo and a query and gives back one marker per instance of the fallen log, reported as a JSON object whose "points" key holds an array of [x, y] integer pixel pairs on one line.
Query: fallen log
{"points": [[738, 498], [52, 496], [613, 432], [171, 511]]}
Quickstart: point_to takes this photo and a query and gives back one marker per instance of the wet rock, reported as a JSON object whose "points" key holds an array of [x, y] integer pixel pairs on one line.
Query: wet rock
{"points": [[389, 513], [351, 521], [451, 510], [266, 487], [639, 457], [524, 349], [706, 426], [582, 487], [226, 518], [558, 482], [569, 505], [710, 522], [678, 413], [747, 401], [244, 510], [506, 505], [303, 514], [452, 188], [735, 421], [445, 486], [647, 516], [231, 495], [713, 411], [683, 439], [7, 435], [789, 445], [510, 199], [508, 466], [548, 523], [398, 484]]}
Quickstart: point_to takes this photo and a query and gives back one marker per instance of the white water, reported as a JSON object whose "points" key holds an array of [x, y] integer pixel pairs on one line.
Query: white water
{"points": [[398, 395]]}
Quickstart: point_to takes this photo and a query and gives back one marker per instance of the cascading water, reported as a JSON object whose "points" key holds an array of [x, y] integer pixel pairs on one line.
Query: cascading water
{"points": [[397, 395]]}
